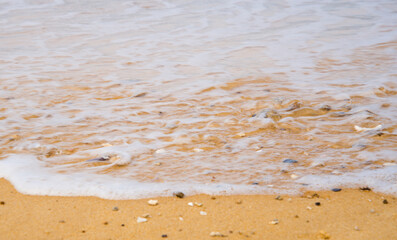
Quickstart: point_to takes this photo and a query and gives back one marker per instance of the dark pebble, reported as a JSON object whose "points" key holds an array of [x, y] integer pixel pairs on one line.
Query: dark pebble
{"points": [[115, 209], [105, 223], [385, 201], [365, 189], [122, 225], [255, 183], [178, 194], [318, 203], [288, 160], [164, 236], [336, 189], [2, 203], [339, 114], [61, 221]]}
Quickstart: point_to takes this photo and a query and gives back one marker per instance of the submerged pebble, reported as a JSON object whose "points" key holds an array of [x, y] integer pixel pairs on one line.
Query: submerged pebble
{"points": [[115, 209], [288, 160], [336, 189]]}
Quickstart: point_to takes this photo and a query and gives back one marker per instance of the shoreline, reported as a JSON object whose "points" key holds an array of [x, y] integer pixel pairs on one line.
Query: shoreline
{"points": [[349, 214]]}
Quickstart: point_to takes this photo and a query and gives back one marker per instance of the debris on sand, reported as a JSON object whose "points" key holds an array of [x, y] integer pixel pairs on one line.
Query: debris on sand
{"points": [[202, 213], [323, 235], [217, 234], [274, 222], [336, 189], [278, 197]]}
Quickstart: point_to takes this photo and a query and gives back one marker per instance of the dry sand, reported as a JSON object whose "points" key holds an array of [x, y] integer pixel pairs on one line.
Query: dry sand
{"points": [[349, 214]]}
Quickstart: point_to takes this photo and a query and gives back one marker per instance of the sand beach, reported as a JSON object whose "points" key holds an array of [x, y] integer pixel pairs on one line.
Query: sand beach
{"points": [[348, 214]]}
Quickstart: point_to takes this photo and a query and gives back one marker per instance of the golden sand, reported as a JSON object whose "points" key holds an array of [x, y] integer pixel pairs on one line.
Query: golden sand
{"points": [[349, 214]]}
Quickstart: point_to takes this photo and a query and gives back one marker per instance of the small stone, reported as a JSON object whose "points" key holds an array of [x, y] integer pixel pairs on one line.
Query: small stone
{"points": [[372, 211], [356, 228], [217, 234], [274, 222], [2, 203], [181, 218], [385, 201], [198, 204], [317, 203], [115, 209], [123, 225], [288, 160], [309, 208], [178, 194], [190, 204], [336, 189], [141, 220], [278, 197], [255, 183], [105, 223], [239, 201], [146, 215], [61, 221], [296, 216], [158, 163], [213, 197], [164, 235], [203, 213], [153, 202]]}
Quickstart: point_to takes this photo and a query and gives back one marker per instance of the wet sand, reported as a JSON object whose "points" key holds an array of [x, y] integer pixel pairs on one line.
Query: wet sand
{"points": [[348, 214]]}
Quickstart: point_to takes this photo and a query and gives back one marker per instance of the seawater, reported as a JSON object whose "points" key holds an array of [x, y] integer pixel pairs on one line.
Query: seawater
{"points": [[129, 99]]}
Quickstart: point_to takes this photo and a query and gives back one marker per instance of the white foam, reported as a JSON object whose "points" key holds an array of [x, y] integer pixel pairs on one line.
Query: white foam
{"points": [[30, 176]]}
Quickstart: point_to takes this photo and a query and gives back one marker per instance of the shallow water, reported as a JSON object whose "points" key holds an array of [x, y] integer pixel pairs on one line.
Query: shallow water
{"points": [[197, 96]]}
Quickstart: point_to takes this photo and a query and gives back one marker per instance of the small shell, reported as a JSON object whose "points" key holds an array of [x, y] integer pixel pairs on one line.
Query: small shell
{"points": [[141, 220], [152, 202]]}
